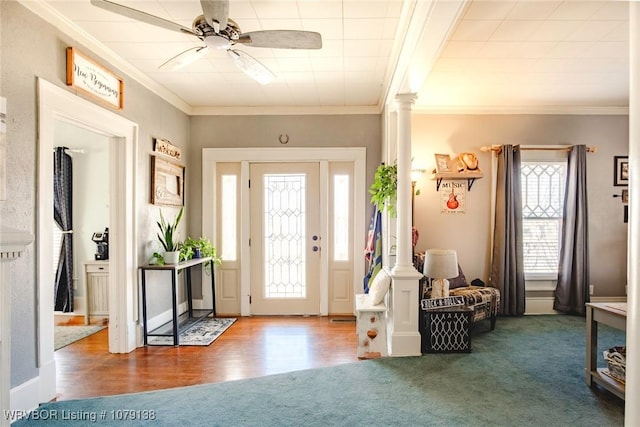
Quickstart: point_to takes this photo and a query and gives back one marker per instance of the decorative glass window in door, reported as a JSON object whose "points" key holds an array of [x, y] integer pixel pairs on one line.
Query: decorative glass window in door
{"points": [[284, 236]]}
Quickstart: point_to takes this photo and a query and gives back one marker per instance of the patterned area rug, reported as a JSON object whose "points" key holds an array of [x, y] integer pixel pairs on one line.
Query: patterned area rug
{"points": [[65, 335], [204, 332]]}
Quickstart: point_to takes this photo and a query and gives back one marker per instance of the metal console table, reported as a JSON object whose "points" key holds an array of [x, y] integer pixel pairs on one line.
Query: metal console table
{"points": [[174, 270]]}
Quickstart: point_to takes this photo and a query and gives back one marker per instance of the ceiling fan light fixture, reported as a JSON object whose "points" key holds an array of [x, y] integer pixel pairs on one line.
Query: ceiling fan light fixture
{"points": [[217, 42], [251, 67], [185, 58]]}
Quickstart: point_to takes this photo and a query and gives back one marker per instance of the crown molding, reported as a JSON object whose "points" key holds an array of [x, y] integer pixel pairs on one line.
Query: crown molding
{"points": [[524, 109], [284, 110], [59, 21]]}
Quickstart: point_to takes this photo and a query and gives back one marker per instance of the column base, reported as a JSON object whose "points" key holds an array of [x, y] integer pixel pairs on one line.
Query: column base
{"points": [[402, 328]]}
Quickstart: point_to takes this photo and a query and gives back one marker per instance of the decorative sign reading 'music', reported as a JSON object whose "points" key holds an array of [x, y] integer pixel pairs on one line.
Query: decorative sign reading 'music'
{"points": [[93, 79]]}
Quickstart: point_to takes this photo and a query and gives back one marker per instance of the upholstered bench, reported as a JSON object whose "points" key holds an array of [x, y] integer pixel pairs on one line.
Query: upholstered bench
{"points": [[484, 300]]}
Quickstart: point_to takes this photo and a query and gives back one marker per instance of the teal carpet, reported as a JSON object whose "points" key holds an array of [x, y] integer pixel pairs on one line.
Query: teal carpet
{"points": [[527, 372]]}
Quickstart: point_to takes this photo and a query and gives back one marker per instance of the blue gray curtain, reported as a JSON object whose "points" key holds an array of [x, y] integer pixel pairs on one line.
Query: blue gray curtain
{"points": [[62, 203], [507, 263], [572, 290]]}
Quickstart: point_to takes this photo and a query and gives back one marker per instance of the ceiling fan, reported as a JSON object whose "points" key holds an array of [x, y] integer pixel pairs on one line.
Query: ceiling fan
{"points": [[217, 31]]}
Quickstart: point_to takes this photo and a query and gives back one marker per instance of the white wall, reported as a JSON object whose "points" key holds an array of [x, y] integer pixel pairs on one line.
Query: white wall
{"points": [[469, 233]]}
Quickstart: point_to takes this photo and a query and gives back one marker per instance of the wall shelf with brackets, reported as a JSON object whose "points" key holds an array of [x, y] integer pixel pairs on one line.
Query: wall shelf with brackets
{"points": [[470, 176]]}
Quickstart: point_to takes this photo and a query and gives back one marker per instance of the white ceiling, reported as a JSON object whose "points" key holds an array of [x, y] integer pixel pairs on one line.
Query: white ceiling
{"points": [[544, 56]]}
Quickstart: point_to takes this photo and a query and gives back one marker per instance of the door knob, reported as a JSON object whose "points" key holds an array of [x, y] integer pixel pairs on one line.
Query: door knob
{"points": [[314, 237], [315, 248]]}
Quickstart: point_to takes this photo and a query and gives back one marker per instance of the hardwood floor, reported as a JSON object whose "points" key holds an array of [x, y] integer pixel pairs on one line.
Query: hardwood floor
{"points": [[251, 347]]}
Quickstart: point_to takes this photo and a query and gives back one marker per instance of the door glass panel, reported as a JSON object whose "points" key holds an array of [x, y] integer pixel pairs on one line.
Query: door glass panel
{"points": [[284, 236], [229, 217], [341, 217]]}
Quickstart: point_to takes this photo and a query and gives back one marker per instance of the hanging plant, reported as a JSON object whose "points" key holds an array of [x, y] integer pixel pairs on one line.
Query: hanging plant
{"points": [[384, 187]]}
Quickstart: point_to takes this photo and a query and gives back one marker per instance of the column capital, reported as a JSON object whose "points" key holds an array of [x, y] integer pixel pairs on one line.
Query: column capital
{"points": [[406, 98]]}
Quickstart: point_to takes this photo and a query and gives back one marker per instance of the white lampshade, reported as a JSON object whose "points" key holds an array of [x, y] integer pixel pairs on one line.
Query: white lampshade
{"points": [[441, 264]]}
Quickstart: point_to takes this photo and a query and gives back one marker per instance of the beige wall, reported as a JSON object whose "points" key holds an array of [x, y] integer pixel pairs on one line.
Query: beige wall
{"points": [[469, 233], [264, 131]]}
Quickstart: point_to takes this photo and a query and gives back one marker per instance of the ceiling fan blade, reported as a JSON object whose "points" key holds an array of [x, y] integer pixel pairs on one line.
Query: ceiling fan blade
{"points": [[185, 58], [141, 16], [251, 66], [216, 11], [282, 39]]}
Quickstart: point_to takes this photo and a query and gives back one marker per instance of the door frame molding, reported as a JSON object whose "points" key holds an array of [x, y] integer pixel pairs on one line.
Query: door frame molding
{"points": [[57, 104], [245, 156]]}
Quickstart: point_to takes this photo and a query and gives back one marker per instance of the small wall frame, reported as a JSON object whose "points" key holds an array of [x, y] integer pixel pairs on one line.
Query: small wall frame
{"points": [[167, 183], [443, 163], [620, 171]]}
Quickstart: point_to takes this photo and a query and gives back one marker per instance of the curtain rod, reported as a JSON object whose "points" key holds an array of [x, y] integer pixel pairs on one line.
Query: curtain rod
{"points": [[71, 150], [498, 148]]}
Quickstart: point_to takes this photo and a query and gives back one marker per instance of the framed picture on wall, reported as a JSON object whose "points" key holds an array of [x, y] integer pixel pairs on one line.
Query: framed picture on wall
{"points": [[442, 163], [167, 182], [621, 170]]}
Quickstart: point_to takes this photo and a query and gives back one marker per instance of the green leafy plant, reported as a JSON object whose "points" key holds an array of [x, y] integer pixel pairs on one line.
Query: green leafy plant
{"points": [[203, 245], [157, 259], [167, 233], [384, 187]]}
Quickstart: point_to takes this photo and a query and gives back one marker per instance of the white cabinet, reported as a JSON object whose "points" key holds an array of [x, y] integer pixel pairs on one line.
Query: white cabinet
{"points": [[96, 290]]}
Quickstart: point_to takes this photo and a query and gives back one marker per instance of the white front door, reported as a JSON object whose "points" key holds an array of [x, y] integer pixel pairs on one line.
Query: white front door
{"points": [[285, 240]]}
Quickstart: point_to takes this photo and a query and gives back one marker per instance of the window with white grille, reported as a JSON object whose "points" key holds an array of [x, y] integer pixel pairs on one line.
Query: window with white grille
{"points": [[542, 206]]}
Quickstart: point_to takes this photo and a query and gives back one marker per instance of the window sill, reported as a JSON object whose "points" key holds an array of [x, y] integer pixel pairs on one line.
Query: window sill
{"points": [[539, 284]]}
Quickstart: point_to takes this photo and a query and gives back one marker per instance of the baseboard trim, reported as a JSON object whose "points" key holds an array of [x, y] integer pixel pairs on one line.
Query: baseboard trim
{"points": [[544, 305], [164, 317], [41, 389]]}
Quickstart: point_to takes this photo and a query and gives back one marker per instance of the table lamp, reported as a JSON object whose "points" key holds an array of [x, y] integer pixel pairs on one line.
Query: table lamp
{"points": [[440, 265]]}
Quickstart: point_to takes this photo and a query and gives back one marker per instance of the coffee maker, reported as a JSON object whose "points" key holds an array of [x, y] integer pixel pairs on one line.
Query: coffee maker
{"points": [[102, 242]]}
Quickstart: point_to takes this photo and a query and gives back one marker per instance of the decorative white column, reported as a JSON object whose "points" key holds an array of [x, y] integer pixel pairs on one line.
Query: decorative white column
{"points": [[632, 386], [404, 261], [12, 244], [402, 320]]}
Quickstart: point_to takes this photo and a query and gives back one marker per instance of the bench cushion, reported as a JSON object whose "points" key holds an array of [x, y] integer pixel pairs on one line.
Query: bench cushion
{"points": [[379, 287]]}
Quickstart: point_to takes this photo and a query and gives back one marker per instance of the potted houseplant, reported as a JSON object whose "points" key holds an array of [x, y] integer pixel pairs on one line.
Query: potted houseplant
{"points": [[198, 248], [384, 187], [167, 237]]}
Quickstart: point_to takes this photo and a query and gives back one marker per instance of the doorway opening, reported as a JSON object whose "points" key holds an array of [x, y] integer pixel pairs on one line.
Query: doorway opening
{"points": [[86, 153]]}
